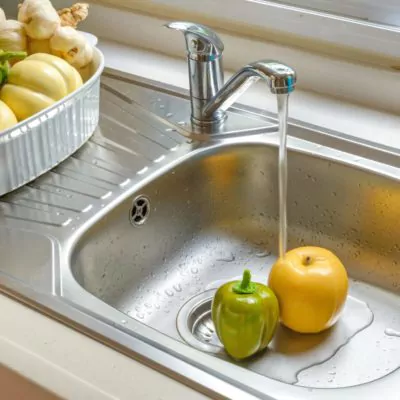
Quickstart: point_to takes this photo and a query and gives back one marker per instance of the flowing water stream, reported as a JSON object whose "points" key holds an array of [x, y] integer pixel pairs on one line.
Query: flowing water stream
{"points": [[283, 102]]}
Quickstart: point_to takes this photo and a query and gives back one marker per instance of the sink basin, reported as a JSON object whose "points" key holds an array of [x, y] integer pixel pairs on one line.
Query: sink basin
{"points": [[206, 219]]}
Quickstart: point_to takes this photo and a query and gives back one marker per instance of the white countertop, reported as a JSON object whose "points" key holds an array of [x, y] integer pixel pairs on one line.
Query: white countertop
{"points": [[74, 366], [77, 367]]}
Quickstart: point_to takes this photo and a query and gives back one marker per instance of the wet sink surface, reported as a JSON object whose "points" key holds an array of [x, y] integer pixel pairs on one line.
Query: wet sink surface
{"points": [[202, 222]]}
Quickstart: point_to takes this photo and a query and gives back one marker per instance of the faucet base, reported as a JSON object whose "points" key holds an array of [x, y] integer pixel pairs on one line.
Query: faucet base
{"points": [[197, 117], [234, 122], [215, 122]]}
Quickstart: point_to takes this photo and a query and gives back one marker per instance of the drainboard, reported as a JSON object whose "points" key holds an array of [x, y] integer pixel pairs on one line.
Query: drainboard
{"points": [[142, 225]]}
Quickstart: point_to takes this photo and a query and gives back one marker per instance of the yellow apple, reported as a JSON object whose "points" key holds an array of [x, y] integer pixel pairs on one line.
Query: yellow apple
{"points": [[311, 286]]}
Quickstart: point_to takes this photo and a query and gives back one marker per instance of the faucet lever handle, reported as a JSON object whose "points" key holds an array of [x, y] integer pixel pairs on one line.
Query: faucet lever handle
{"points": [[202, 43]]}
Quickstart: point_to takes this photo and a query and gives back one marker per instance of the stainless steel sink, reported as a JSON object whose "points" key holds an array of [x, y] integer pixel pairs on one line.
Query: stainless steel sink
{"points": [[158, 221]]}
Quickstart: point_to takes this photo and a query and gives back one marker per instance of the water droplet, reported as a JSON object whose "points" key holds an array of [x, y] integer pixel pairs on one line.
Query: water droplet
{"points": [[194, 270], [178, 287], [147, 305], [124, 321], [162, 106], [169, 292], [168, 115], [392, 332], [262, 254], [229, 257], [140, 315]]}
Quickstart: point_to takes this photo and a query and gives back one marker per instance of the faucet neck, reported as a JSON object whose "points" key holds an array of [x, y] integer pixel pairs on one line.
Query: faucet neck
{"points": [[206, 78]]}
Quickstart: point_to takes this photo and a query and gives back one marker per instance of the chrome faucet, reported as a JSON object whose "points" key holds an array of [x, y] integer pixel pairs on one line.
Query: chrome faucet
{"points": [[210, 98]]}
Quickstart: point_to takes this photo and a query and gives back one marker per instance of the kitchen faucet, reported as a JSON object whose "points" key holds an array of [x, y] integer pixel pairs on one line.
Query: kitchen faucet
{"points": [[209, 97]]}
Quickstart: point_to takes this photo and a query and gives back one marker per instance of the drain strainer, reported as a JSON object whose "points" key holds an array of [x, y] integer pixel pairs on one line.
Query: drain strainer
{"points": [[195, 324], [139, 211]]}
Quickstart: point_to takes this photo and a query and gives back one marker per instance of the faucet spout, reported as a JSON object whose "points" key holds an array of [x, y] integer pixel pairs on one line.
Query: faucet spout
{"points": [[280, 78]]}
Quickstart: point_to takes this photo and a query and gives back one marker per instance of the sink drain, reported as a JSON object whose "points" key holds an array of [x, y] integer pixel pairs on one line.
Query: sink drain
{"points": [[139, 211], [195, 324]]}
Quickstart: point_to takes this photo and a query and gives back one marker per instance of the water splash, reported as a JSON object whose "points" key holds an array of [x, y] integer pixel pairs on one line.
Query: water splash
{"points": [[290, 355]]}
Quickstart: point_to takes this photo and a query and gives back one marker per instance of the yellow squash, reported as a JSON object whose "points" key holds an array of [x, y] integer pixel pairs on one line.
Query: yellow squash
{"points": [[7, 117], [37, 82]]}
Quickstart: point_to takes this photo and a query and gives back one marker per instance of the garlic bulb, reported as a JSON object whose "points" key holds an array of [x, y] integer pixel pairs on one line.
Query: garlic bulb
{"points": [[72, 46], [12, 36], [40, 18], [2, 17]]}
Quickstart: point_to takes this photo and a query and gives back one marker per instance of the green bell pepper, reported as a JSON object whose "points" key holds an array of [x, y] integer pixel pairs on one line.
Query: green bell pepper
{"points": [[245, 315]]}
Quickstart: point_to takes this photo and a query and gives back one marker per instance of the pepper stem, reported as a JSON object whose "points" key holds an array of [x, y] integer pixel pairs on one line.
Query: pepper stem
{"points": [[245, 286]]}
